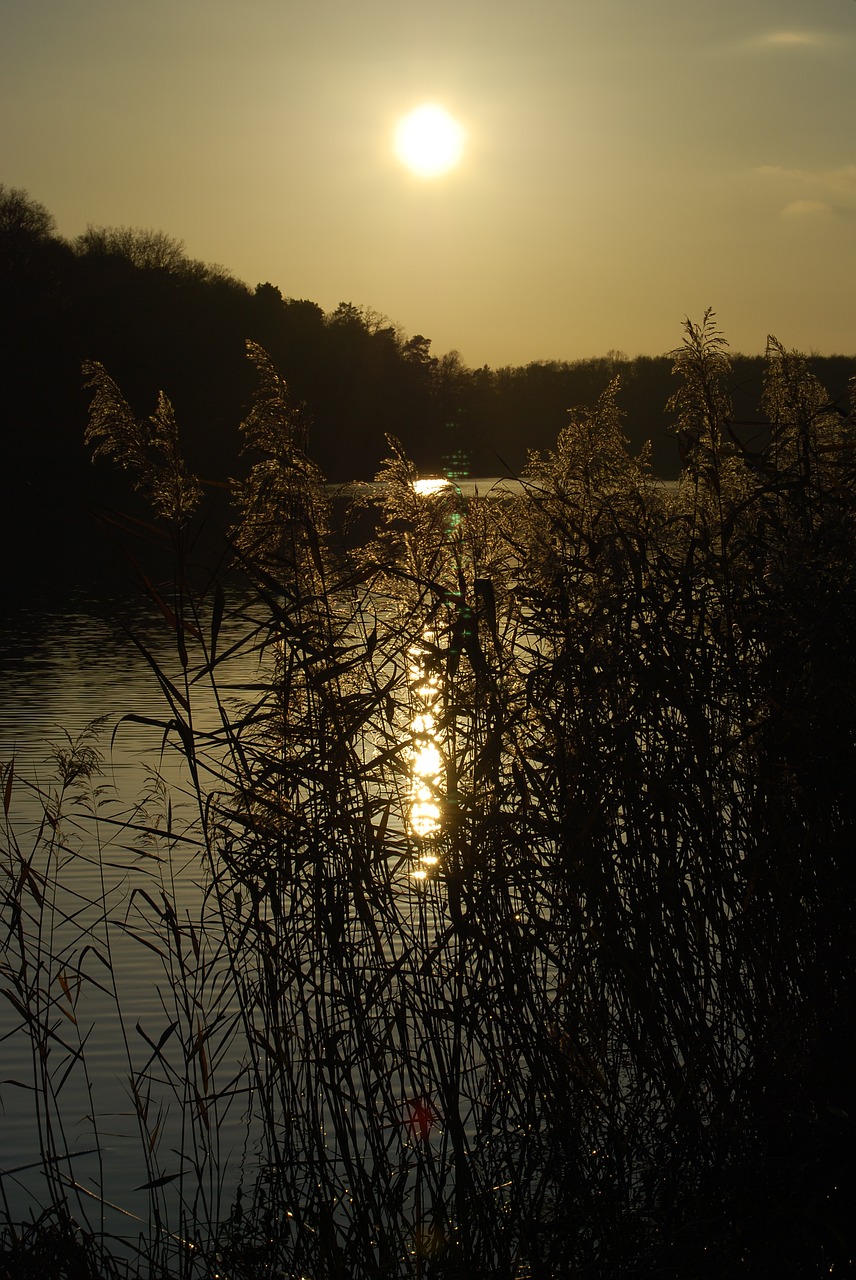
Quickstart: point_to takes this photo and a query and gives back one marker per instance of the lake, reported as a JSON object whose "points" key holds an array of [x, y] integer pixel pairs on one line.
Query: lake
{"points": [[65, 662], [506, 1001], [146, 1016], [90, 888]]}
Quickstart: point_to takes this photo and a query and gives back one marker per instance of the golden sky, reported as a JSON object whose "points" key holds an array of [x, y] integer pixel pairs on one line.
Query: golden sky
{"points": [[626, 162]]}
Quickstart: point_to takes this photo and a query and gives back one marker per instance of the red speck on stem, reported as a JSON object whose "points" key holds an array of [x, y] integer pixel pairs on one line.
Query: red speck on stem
{"points": [[420, 1118]]}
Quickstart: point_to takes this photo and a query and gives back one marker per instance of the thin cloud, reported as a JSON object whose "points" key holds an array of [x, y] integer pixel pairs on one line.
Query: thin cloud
{"points": [[815, 193], [791, 39], [806, 209], [836, 182], [786, 40]]}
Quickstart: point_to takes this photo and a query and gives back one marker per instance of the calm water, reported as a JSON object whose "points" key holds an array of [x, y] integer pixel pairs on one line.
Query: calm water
{"points": [[62, 664]]}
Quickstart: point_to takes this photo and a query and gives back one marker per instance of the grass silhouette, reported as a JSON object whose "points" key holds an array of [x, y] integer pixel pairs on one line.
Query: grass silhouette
{"points": [[600, 1023]]}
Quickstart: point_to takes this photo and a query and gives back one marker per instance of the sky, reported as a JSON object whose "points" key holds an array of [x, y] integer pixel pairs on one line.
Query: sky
{"points": [[627, 163]]}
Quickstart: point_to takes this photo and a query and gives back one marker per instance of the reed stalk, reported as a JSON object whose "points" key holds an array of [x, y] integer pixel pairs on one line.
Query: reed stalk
{"points": [[600, 1021]]}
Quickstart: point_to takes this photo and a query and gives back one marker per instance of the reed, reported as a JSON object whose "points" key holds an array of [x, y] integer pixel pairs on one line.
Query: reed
{"points": [[600, 1023]]}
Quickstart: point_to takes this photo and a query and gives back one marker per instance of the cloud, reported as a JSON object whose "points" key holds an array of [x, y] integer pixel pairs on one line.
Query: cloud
{"points": [[769, 40], [791, 39], [834, 182], [806, 209], [814, 193]]}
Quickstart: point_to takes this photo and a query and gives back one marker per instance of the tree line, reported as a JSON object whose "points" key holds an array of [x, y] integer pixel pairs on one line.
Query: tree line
{"points": [[135, 301]]}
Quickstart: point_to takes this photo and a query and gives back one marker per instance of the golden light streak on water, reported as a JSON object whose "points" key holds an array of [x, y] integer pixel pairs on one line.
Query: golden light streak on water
{"points": [[426, 764], [431, 484], [424, 813]]}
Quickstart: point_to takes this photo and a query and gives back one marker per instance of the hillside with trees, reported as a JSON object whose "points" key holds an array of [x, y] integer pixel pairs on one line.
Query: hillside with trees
{"points": [[157, 319]]}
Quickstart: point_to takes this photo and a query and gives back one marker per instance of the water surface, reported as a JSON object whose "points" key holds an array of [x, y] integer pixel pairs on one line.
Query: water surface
{"points": [[64, 663]]}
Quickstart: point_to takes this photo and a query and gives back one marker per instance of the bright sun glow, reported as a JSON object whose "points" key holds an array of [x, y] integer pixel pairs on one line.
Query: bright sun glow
{"points": [[429, 141], [431, 484]]}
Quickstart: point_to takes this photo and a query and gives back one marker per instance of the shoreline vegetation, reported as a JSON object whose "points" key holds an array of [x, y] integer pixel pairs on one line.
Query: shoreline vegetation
{"points": [[134, 300], [599, 1022]]}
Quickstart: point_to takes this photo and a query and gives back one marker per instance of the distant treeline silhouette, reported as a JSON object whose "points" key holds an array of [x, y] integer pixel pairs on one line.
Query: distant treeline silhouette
{"points": [[133, 300]]}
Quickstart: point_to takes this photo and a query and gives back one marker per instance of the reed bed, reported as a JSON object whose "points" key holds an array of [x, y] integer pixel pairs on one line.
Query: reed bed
{"points": [[600, 1021]]}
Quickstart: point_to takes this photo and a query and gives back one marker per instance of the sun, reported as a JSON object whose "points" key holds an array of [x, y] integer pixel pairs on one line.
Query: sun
{"points": [[429, 141]]}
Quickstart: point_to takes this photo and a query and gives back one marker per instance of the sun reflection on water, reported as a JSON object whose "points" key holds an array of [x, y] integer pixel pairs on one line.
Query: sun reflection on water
{"points": [[431, 485], [426, 764]]}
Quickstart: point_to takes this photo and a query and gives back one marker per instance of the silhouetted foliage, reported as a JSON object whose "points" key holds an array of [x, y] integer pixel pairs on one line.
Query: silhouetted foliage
{"points": [[602, 1020], [148, 448], [132, 300]]}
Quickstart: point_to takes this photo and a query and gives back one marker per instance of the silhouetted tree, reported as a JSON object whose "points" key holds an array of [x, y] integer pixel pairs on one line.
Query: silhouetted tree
{"points": [[132, 299]]}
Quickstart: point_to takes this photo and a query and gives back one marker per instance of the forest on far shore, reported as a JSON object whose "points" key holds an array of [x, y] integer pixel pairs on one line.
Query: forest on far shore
{"points": [[157, 319]]}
